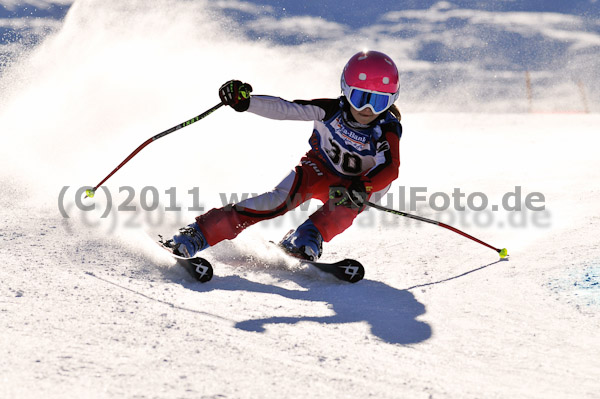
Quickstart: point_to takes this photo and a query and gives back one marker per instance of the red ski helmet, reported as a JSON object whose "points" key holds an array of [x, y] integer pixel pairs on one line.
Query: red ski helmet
{"points": [[370, 80]]}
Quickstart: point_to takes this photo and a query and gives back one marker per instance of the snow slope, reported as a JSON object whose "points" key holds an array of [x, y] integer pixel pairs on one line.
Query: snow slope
{"points": [[90, 308]]}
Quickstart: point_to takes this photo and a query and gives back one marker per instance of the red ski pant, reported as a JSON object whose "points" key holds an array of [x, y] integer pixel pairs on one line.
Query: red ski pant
{"points": [[310, 180]]}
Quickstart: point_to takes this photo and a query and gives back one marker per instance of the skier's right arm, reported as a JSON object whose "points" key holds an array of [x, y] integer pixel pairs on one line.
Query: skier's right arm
{"points": [[280, 109], [237, 95]]}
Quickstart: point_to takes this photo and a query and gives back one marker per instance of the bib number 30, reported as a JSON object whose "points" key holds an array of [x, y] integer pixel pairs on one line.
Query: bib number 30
{"points": [[349, 163]]}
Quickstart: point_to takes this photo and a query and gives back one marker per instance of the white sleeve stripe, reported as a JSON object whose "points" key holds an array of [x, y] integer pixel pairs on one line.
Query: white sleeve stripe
{"points": [[280, 109]]}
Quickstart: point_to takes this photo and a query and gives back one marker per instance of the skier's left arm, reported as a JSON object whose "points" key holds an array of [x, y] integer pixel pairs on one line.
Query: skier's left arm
{"points": [[375, 179], [387, 165]]}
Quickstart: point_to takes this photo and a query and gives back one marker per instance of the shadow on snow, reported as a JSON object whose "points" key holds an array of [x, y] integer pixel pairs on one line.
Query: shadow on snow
{"points": [[390, 312]]}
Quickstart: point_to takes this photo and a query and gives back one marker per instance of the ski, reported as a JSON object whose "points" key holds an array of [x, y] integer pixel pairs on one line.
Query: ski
{"points": [[199, 268], [349, 270]]}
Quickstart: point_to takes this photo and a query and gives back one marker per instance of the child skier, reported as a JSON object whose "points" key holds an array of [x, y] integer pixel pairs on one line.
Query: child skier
{"points": [[354, 154]]}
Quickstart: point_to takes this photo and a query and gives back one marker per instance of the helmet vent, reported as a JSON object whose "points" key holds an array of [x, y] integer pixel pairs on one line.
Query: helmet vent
{"points": [[362, 76], [386, 80]]}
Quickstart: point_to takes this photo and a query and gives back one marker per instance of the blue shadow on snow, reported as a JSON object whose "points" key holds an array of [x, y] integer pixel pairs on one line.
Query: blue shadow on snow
{"points": [[390, 312]]}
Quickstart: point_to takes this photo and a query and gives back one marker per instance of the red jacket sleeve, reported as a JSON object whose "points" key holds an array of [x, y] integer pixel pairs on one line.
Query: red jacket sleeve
{"points": [[386, 172]]}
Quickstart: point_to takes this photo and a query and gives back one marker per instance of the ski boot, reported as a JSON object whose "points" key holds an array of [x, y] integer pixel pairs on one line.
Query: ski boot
{"points": [[188, 242], [305, 243]]}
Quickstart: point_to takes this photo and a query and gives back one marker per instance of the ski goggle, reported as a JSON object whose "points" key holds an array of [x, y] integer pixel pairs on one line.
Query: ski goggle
{"points": [[377, 101]]}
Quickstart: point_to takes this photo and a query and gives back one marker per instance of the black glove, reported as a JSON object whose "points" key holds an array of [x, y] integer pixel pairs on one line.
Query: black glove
{"points": [[236, 94], [353, 196]]}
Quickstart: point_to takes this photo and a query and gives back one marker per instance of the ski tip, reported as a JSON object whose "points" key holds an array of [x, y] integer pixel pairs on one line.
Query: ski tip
{"points": [[349, 270], [349, 261], [199, 268], [202, 270]]}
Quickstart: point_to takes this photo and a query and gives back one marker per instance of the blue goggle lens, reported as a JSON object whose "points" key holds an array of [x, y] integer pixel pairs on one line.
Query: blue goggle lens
{"points": [[360, 98]]}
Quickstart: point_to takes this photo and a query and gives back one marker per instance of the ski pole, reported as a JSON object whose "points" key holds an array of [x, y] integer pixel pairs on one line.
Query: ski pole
{"points": [[90, 192], [502, 252]]}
